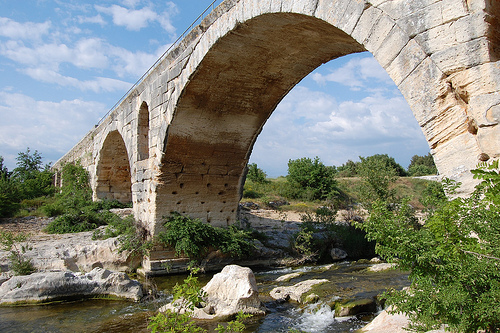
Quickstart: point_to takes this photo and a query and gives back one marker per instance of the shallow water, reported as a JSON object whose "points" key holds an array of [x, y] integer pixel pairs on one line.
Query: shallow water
{"points": [[348, 280]]}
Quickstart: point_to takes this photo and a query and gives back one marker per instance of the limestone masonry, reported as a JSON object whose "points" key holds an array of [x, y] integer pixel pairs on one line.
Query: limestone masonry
{"points": [[181, 139]]}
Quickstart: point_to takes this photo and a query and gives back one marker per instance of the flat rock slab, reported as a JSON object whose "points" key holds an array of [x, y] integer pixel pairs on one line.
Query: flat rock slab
{"points": [[296, 291], [54, 286]]}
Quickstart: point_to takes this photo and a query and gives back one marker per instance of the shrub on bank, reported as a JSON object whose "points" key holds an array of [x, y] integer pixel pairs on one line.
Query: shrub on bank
{"points": [[193, 238], [453, 258]]}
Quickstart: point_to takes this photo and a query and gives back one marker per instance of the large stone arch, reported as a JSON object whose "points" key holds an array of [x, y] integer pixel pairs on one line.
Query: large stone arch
{"points": [[254, 52], [113, 177]]}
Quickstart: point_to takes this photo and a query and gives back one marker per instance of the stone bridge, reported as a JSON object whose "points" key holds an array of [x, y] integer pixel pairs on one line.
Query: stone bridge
{"points": [[181, 139]]}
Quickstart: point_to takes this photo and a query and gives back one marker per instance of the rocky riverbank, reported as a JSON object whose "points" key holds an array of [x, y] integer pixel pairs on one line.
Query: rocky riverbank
{"points": [[71, 255]]}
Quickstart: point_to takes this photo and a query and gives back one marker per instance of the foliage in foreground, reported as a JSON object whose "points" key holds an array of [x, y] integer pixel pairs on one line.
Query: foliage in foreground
{"points": [[194, 238], [453, 259], [17, 245]]}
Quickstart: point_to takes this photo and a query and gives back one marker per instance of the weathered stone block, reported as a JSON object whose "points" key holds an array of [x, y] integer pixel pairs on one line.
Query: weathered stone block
{"points": [[391, 46], [421, 90], [463, 56], [401, 8], [422, 20], [366, 23], [379, 33], [406, 61]]}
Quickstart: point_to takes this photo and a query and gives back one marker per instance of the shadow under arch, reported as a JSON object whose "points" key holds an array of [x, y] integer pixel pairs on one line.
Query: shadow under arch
{"points": [[226, 103], [143, 132], [113, 178]]}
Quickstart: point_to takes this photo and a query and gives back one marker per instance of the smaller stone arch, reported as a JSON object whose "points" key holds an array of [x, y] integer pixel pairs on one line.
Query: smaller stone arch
{"points": [[113, 181], [143, 132]]}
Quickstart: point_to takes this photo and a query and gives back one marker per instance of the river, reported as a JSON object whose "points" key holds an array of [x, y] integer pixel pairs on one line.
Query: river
{"points": [[348, 280]]}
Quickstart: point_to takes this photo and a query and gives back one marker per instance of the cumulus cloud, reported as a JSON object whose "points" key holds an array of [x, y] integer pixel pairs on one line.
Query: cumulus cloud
{"points": [[97, 19], [355, 73], [52, 128], [28, 30], [311, 123], [99, 84], [136, 19], [43, 61]]}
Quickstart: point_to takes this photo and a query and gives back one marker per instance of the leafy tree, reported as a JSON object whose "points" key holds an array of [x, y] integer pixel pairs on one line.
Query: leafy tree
{"points": [[27, 164], [348, 169], [9, 197], [255, 174], [453, 259], [28, 181], [422, 165], [34, 180], [311, 178], [377, 172], [4, 172]]}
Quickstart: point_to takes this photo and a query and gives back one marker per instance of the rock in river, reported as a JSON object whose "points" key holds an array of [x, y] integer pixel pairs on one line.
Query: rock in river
{"points": [[51, 286], [232, 290], [296, 291]]}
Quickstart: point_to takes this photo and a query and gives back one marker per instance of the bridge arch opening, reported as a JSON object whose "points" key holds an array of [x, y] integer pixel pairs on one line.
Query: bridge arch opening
{"points": [[143, 132], [113, 178], [226, 103]]}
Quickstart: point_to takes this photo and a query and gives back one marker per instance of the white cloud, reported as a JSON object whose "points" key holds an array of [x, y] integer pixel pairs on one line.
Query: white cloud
{"points": [[43, 61], [355, 73], [131, 19], [135, 63], [97, 19], [99, 84], [28, 30], [136, 19], [311, 123], [52, 128]]}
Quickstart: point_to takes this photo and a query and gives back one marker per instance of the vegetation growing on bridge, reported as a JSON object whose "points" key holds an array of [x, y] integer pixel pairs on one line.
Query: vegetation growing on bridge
{"points": [[193, 238]]}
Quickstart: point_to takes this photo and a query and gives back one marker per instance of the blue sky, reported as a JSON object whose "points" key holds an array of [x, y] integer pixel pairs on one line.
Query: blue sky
{"points": [[64, 64]]}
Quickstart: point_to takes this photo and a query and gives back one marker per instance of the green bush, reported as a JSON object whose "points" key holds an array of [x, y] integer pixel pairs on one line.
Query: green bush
{"points": [[310, 179], [132, 237], [29, 180], [17, 245], [73, 205], [348, 169], [194, 238], [255, 174], [85, 220], [9, 197], [453, 259], [422, 166], [377, 173]]}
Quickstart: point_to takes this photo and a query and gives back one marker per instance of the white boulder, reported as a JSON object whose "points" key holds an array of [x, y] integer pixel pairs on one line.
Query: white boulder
{"points": [[232, 290], [50, 286]]}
